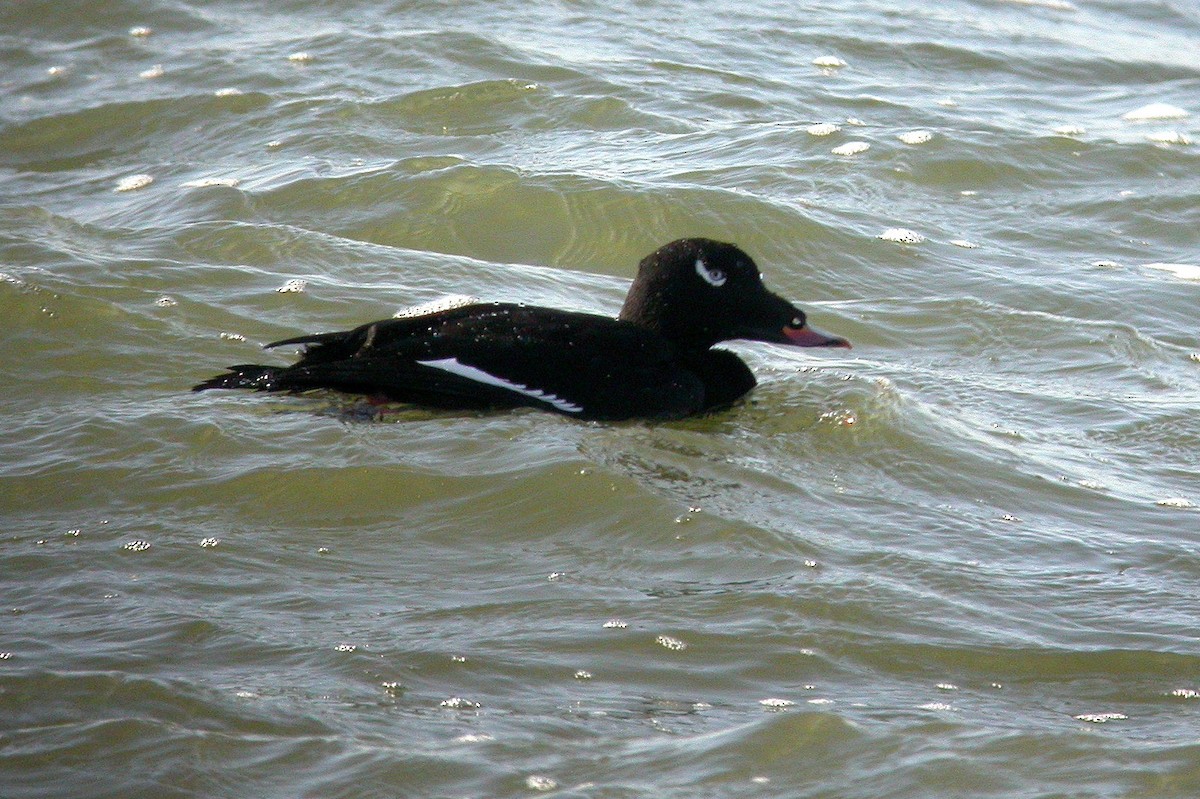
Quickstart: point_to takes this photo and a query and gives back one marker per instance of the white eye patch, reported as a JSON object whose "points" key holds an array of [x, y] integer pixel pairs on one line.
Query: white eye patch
{"points": [[713, 277]]}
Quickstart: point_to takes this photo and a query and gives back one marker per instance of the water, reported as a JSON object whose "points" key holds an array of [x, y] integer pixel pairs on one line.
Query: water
{"points": [[958, 560]]}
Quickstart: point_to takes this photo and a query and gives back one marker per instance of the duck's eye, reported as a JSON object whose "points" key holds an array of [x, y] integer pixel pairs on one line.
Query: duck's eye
{"points": [[713, 277]]}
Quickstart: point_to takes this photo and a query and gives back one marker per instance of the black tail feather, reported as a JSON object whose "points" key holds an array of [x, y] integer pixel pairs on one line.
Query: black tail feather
{"points": [[246, 375]]}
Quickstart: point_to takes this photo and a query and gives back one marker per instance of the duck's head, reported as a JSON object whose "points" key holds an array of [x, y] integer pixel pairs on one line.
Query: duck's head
{"points": [[697, 292]]}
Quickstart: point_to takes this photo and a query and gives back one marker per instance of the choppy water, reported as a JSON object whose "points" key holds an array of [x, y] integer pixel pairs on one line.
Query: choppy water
{"points": [[959, 560]]}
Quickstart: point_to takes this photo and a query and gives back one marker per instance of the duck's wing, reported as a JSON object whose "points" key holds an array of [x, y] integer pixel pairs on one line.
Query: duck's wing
{"points": [[499, 356]]}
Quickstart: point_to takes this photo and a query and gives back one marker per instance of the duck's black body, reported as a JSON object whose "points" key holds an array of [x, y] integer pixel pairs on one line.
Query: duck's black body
{"points": [[654, 361]]}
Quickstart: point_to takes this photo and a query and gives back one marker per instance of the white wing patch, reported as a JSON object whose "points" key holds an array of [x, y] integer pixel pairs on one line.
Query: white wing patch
{"points": [[452, 366], [713, 277]]}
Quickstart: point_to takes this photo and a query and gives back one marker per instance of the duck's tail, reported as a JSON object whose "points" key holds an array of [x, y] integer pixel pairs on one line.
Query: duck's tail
{"points": [[246, 375]]}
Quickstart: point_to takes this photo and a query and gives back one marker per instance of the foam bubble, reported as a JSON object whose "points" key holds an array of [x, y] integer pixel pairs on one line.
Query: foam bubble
{"points": [[228, 91], [828, 62], [1101, 718], [293, 286], [615, 624], [851, 148], [1168, 137], [674, 644], [1069, 130], [134, 182], [1155, 111], [155, 71], [474, 738], [435, 306], [538, 782], [902, 236], [776, 704], [915, 137], [1056, 5], [822, 129], [140, 31], [300, 57], [458, 703], [205, 182], [1184, 271], [966, 245], [1175, 502]]}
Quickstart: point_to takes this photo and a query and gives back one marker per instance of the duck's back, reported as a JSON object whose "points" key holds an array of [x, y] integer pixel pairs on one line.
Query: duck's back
{"points": [[497, 355]]}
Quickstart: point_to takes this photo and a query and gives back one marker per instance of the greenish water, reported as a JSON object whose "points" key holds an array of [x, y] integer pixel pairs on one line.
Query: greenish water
{"points": [[960, 560]]}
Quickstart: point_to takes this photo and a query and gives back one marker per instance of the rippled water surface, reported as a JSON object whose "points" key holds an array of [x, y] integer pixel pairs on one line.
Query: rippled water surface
{"points": [[961, 559]]}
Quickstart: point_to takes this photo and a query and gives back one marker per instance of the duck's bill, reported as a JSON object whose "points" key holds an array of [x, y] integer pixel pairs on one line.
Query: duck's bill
{"points": [[810, 337]]}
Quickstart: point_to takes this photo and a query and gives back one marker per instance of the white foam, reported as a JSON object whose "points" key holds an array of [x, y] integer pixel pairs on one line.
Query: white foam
{"points": [[1168, 137], [1101, 718], [1155, 111], [293, 286], [134, 182], [1184, 271], [474, 738], [915, 137], [300, 58], [966, 245], [155, 71], [205, 182], [1069, 130], [436, 306], [674, 644], [452, 366], [902, 236], [822, 129], [828, 62], [851, 148]]}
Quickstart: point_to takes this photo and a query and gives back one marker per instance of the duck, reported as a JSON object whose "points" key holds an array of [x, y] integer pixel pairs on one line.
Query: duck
{"points": [[656, 360]]}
